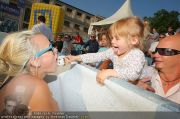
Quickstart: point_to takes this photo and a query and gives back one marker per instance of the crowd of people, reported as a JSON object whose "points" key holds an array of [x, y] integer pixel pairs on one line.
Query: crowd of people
{"points": [[26, 57]]}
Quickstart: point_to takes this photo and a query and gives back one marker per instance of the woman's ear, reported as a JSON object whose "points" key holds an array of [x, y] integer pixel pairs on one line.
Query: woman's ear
{"points": [[134, 40], [35, 62]]}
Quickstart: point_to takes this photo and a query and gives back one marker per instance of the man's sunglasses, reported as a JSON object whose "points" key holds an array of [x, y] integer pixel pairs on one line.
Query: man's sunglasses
{"points": [[50, 48], [167, 51]]}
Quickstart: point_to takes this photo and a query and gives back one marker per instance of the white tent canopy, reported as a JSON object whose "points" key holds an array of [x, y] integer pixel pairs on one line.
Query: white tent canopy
{"points": [[123, 12]]}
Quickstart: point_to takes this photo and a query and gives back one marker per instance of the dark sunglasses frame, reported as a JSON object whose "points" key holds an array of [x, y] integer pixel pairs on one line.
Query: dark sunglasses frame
{"points": [[167, 51]]}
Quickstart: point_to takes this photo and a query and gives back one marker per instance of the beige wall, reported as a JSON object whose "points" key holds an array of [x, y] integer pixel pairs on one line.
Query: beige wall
{"points": [[73, 18]]}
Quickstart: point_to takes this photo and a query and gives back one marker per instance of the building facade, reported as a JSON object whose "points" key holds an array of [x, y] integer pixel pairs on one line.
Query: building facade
{"points": [[77, 20], [15, 15]]}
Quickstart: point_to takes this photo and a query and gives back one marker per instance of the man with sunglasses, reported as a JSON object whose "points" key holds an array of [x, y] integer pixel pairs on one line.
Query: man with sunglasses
{"points": [[166, 79], [152, 49]]}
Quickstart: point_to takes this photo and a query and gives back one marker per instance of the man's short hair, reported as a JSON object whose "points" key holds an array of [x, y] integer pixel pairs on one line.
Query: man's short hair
{"points": [[42, 19]]}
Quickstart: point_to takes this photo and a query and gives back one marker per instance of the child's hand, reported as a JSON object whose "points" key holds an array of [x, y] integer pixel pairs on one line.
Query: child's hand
{"points": [[102, 76], [68, 59]]}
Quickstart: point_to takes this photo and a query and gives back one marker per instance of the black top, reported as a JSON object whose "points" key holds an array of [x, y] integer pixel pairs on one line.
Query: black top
{"points": [[93, 46]]}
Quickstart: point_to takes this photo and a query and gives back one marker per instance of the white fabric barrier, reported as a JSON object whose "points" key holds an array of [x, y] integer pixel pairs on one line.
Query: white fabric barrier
{"points": [[77, 90]]}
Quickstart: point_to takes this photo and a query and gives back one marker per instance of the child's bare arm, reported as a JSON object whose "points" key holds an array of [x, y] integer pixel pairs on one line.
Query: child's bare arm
{"points": [[70, 58]]}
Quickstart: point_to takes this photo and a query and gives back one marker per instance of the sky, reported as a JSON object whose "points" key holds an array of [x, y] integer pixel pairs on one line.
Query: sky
{"points": [[140, 8]]}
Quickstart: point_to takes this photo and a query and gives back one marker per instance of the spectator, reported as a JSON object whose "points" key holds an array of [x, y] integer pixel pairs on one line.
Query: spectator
{"points": [[178, 30], [155, 35], [92, 44], [41, 27], [147, 42], [166, 80], [154, 44], [104, 43], [128, 60], [78, 39], [170, 31], [161, 36], [25, 58], [59, 43], [155, 40], [67, 45]]}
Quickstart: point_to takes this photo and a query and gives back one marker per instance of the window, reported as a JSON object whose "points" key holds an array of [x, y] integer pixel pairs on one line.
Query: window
{"points": [[9, 25], [58, 4], [27, 14], [76, 27], [25, 26], [46, 1], [67, 23], [79, 14], [85, 29], [69, 10], [88, 17], [13, 4]]}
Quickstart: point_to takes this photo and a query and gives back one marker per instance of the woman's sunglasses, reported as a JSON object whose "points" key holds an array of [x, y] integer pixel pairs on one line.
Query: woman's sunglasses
{"points": [[50, 48], [167, 51]]}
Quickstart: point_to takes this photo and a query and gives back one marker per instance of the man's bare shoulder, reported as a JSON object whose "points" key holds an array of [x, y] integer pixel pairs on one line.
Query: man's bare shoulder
{"points": [[31, 81]]}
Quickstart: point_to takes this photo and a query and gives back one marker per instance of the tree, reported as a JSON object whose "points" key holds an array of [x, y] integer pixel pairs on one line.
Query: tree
{"points": [[162, 19]]}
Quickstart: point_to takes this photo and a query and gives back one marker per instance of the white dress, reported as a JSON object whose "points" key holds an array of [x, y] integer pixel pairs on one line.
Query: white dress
{"points": [[128, 67]]}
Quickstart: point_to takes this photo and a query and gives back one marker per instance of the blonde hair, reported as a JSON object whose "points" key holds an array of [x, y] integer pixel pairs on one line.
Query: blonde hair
{"points": [[15, 51], [128, 28]]}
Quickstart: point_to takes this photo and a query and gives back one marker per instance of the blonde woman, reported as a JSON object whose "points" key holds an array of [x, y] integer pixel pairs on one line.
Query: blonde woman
{"points": [[126, 52], [25, 58]]}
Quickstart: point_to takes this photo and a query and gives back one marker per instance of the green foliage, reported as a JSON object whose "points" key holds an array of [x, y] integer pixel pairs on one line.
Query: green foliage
{"points": [[162, 19]]}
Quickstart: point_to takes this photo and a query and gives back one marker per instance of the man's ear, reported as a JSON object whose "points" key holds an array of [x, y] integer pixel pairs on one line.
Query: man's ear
{"points": [[134, 40], [35, 62]]}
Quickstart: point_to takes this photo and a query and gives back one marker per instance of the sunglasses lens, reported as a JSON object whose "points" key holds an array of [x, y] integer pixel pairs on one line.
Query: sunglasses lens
{"points": [[166, 51], [161, 51]]}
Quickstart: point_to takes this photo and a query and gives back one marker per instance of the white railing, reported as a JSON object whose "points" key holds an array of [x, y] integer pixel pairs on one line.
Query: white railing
{"points": [[77, 90]]}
